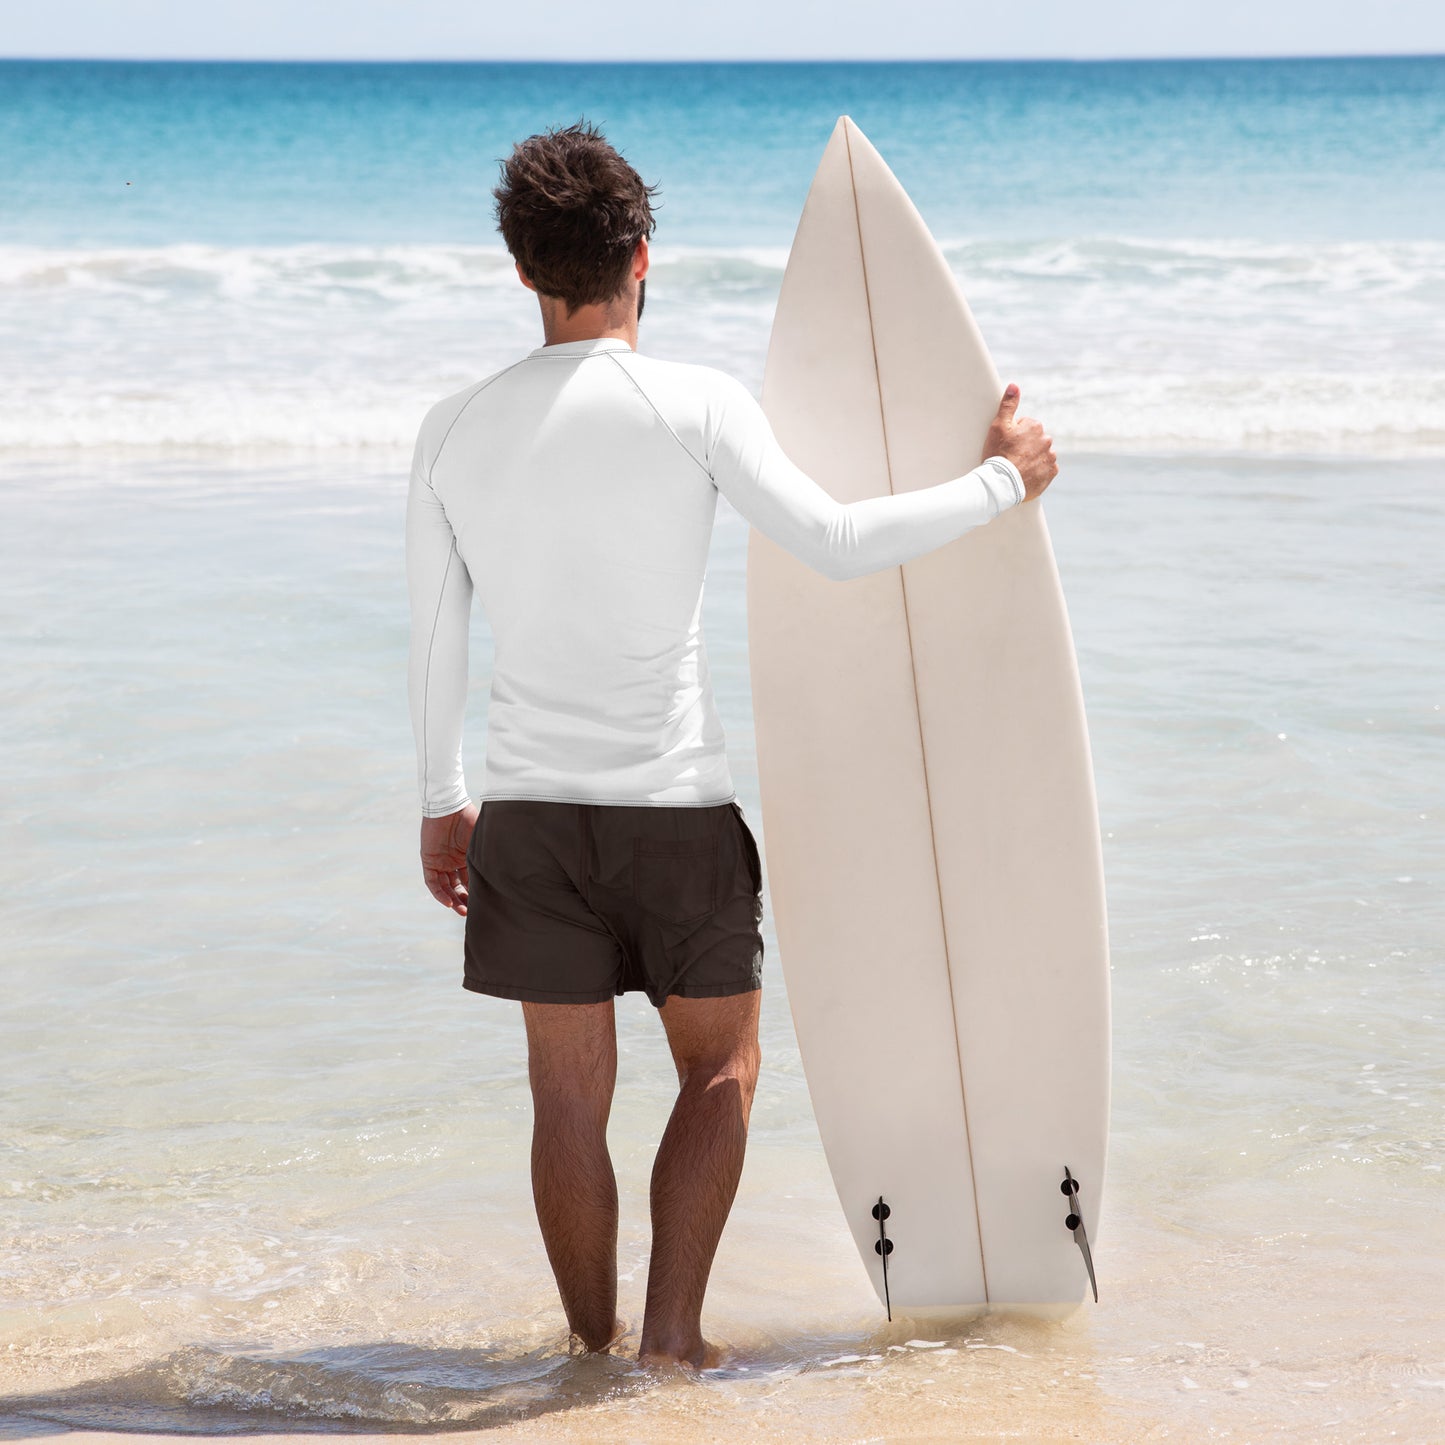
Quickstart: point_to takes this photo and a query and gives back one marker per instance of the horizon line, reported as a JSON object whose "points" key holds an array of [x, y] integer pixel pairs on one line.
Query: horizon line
{"points": [[709, 60]]}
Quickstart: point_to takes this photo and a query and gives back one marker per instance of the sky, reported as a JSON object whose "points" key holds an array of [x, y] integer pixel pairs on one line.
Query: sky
{"points": [[717, 30]]}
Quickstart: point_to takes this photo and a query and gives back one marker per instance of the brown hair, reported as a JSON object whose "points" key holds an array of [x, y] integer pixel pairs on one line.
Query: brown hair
{"points": [[572, 211]]}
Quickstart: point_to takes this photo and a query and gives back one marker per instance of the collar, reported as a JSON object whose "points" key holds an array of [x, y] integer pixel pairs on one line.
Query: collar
{"points": [[588, 346]]}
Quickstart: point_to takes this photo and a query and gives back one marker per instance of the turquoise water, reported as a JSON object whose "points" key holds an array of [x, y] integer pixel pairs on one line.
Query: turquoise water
{"points": [[263, 1162], [1335, 149]]}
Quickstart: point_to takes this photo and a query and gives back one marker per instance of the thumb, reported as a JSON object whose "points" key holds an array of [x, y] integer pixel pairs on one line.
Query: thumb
{"points": [[1010, 403]]}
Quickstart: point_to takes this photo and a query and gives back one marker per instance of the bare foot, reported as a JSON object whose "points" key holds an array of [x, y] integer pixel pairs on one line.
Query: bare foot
{"points": [[703, 1356], [576, 1345]]}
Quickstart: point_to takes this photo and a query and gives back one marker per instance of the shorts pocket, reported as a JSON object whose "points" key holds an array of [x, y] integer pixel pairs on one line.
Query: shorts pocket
{"points": [[473, 854], [675, 879], [750, 850]]}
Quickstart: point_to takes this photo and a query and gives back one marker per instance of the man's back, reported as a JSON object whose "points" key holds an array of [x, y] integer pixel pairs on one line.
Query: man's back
{"points": [[576, 489], [584, 520]]}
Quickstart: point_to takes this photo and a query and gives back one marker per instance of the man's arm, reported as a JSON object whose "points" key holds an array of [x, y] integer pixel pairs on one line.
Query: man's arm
{"points": [[440, 590], [847, 539]]}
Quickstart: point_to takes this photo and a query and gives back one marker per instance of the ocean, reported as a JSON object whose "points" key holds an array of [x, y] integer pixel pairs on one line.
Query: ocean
{"points": [[264, 1163]]}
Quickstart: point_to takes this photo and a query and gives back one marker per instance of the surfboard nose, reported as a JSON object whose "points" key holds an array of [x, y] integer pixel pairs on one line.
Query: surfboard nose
{"points": [[849, 139]]}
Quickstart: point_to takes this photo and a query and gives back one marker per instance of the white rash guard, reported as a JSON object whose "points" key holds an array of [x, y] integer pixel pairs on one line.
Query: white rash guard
{"points": [[576, 491]]}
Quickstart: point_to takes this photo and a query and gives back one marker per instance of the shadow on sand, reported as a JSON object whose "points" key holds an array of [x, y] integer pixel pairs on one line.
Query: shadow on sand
{"points": [[376, 1388]]}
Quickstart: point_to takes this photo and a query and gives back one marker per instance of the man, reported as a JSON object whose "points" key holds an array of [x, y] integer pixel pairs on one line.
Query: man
{"points": [[575, 490]]}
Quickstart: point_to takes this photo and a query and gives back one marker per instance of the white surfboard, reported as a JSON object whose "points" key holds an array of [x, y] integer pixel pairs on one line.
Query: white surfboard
{"points": [[927, 792]]}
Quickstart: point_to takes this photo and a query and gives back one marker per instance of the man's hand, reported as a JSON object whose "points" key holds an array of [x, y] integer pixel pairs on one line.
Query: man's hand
{"points": [[1022, 440], [444, 843]]}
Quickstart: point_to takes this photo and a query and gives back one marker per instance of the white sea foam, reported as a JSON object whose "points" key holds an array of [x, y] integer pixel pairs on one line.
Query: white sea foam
{"points": [[315, 272], [1126, 344]]}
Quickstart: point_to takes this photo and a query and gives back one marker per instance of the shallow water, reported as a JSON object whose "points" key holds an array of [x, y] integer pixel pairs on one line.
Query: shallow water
{"points": [[265, 1161]]}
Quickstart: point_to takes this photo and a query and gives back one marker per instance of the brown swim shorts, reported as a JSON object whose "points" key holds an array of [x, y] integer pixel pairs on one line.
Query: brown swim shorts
{"points": [[579, 902]]}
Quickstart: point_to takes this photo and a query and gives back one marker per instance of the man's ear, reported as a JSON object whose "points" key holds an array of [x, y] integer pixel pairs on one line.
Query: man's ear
{"points": [[522, 277], [640, 259]]}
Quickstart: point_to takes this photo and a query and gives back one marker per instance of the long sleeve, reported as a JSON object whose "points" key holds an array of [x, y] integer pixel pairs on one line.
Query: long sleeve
{"points": [[440, 590], [842, 540]]}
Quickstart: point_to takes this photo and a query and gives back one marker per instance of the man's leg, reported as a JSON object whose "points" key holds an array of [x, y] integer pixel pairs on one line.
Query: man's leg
{"points": [[572, 1064], [715, 1046]]}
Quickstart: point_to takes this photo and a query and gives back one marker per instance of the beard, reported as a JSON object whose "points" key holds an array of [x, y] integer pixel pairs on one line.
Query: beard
{"points": [[641, 296]]}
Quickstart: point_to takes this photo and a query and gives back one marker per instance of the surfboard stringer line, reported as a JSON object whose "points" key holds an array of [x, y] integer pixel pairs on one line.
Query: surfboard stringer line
{"points": [[923, 751]]}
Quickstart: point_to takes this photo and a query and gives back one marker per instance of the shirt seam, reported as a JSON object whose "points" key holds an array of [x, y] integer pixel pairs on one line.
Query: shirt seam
{"points": [[637, 387], [1011, 473], [446, 435], [426, 678]]}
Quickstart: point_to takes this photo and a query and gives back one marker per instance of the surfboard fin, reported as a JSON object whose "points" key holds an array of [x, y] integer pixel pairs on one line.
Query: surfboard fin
{"points": [[1074, 1221], [884, 1247]]}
